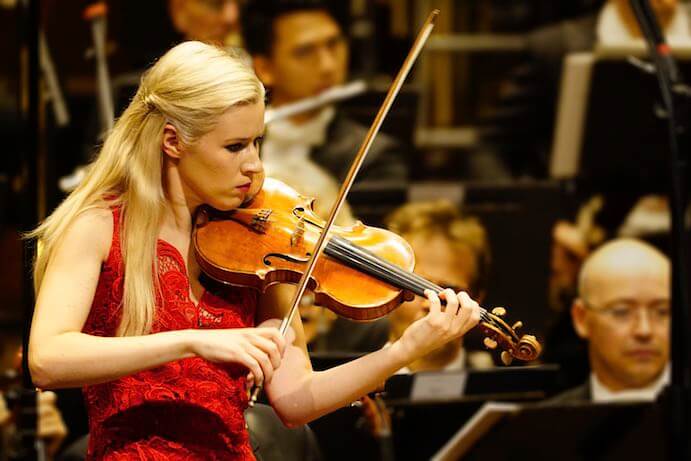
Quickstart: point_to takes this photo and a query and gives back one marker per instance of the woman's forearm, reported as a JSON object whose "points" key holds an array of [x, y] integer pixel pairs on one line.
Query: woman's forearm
{"points": [[75, 359], [317, 393]]}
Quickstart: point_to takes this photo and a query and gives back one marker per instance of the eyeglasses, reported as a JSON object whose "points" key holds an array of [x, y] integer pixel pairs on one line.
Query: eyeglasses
{"points": [[627, 313]]}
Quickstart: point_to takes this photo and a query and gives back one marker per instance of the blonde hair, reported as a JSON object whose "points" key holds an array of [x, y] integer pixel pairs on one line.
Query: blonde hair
{"points": [[441, 217], [190, 87]]}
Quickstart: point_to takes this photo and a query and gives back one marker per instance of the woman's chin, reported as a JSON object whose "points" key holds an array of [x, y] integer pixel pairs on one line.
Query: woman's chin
{"points": [[226, 203]]}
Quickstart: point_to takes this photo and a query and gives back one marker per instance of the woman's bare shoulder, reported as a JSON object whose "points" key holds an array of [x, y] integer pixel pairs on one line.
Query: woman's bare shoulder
{"points": [[91, 231]]}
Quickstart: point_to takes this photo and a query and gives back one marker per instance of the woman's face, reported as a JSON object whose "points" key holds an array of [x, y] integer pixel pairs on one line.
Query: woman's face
{"points": [[223, 169]]}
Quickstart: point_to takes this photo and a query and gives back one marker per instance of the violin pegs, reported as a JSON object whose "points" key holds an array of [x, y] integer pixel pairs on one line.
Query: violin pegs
{"points": [[489, 343], [506, 358], [517, 325], [499, 311]]}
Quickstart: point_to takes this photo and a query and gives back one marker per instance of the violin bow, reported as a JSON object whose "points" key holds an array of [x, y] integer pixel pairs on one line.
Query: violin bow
{"points": [[395, 88]]}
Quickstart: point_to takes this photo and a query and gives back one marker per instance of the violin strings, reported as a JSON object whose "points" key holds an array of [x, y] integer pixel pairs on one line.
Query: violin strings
{"points": [[410, 280], [363, 257], [384, 269], [418, 284], [368, 265], [348, 257]]}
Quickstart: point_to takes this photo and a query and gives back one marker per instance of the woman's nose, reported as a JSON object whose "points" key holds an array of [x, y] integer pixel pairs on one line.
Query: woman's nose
{"points": [[252, 163]]}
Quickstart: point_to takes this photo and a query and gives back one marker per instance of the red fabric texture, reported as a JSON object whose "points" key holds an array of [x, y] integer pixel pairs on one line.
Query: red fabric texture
{"points": [[189, 409]]}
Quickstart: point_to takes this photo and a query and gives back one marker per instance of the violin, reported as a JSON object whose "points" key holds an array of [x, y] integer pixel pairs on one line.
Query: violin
{"points": [[364, 273], [296, 238]]}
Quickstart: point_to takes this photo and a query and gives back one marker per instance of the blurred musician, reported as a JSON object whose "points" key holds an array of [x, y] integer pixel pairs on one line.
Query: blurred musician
{"points": [[450, 249], [51, 427], [211, 21], [623, 313], [299, 50]]}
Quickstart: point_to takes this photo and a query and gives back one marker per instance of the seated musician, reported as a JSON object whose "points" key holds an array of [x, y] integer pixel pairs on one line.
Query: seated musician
{"points": [[452, 250], [50, 425], [299, 50], [211, 21], [170, 22], [623, 313]]}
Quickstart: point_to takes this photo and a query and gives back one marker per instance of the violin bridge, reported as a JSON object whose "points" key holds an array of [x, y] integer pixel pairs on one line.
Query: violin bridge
{"points": [[298, 235]]}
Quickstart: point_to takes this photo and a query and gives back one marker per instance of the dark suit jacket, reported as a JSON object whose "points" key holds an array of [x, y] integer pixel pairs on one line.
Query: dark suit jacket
{"points": [[387, 160], [580, 394]]}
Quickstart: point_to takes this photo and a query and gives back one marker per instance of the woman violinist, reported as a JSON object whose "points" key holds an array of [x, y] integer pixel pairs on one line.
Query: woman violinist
{"points": [[120, 310]]}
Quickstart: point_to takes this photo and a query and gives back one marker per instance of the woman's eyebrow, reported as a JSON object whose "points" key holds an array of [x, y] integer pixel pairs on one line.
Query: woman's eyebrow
{"points": [[232, 140]]}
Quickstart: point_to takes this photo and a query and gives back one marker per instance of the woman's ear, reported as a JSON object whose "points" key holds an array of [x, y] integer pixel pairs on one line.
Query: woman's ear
{"points": [[170, 144]]}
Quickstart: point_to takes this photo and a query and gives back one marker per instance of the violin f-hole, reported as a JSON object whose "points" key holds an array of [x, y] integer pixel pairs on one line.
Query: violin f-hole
{"points": [[285, 257]]}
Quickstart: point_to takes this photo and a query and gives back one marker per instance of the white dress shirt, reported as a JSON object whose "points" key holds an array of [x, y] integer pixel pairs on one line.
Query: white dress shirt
{"points": [[600, 393]]}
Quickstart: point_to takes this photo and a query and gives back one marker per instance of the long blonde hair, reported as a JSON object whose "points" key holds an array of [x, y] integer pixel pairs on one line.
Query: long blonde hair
{"points": [[190, 87]]}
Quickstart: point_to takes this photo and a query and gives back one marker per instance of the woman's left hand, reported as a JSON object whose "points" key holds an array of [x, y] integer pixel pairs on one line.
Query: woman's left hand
{"points": [[441, 325]]}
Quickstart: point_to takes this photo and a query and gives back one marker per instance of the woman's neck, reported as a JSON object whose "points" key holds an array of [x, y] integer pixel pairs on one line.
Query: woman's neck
{"points": [[181, 203]]}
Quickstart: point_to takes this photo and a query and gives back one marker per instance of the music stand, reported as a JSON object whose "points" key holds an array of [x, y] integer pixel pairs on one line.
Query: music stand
{"points": [[422, 426], [571, 432], [601, 132], [529, 382]]}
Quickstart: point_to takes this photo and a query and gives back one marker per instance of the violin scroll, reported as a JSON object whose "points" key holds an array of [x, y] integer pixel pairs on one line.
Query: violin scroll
{"points": [[499, 333]]}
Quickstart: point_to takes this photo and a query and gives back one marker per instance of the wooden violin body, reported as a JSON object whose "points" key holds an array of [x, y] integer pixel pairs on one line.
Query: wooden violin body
{"points": [[364, 273], [270, 239]]}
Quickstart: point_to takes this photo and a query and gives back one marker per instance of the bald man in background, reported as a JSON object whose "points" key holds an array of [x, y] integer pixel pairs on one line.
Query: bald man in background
{"points": [[623, 312]]}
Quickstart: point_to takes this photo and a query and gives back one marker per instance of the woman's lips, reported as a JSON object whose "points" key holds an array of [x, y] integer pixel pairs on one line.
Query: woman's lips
{"points": [[245, 187]]}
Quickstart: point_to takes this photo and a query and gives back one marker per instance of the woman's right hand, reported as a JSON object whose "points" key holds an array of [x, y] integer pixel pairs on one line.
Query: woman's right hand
{"points": [[259, 349]]}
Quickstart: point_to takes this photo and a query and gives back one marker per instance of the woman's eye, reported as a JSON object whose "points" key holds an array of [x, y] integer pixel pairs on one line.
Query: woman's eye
{"points": [[235, 147]]}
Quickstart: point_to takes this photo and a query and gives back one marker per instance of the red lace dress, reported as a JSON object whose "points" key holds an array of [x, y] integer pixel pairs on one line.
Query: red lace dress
{"points": [[190, 409]]}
